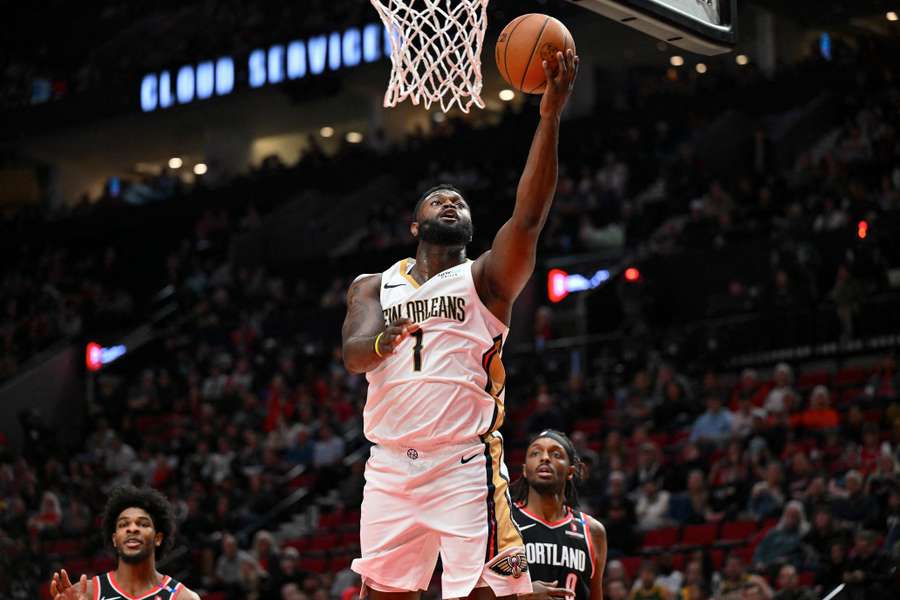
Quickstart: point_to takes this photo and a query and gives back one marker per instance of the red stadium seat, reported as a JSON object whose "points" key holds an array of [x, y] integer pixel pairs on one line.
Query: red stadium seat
{"points": [[214, 596], [813, 378], [699, 535], [678, 561], [745, 553], [806, 578], [738, 531], [632, 564], [322, 541], [589, 426], [350, 538], [339, 562], [851, 376], [661, 538], [314, 565], [768, 524], [717, 557]]}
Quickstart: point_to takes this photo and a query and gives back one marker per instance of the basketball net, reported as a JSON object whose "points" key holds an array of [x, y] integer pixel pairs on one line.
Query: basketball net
{"points": [[435, 51]]}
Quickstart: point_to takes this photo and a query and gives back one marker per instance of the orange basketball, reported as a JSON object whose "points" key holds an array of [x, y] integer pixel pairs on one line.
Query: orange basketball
{"points": [[524, 44]]}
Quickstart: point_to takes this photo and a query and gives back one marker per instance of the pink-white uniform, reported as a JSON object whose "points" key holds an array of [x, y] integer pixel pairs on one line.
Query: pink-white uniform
{"points": [[436, 482]]}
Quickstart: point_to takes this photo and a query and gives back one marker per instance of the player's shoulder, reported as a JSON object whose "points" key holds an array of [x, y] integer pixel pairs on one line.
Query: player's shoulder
{"points": [[185, 593], [598, 531], [367, 283]]}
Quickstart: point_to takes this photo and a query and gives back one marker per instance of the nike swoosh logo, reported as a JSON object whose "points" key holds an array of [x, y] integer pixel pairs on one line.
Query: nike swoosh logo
{"points": [[523, 528], [465, 460], [389, 286]]}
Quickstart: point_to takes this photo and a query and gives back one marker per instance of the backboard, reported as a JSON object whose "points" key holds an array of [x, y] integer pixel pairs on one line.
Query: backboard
{"points": [[702, 26]]}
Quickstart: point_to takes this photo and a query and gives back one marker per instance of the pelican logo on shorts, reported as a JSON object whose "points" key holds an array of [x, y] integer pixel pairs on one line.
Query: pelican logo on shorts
{"points": [[412, 454], [514, 564]]}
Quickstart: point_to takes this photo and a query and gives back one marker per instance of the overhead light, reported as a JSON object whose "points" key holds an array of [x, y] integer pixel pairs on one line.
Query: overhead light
{"points": [[676, 61], [175, 162], [741, 59], [891, 16], [507, 94], [701, 68], [354, 137], [200, 169], [326, 132]]}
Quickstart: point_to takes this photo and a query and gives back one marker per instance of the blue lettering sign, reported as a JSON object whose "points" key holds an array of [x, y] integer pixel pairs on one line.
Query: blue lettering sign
{"points": [[148, 93], [184, 84], [296, 60], [206, 80], [272, 65], [276, 60], [224, 76], [257, 66], [351, 48]]}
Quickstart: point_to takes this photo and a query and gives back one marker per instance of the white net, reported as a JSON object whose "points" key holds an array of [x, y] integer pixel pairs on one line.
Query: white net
{"points": [[435, 51]]}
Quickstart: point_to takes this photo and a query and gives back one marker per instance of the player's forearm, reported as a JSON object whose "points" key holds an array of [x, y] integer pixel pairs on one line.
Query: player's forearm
{"points": [[537, 186], [359, 354]]}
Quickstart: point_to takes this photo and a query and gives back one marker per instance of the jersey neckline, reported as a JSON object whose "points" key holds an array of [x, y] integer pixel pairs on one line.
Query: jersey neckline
{"points": [[565, 520], [110, 576]]}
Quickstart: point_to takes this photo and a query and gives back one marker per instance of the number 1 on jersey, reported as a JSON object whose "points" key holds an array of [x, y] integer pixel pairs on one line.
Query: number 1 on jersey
{"points": [[417, 350]]}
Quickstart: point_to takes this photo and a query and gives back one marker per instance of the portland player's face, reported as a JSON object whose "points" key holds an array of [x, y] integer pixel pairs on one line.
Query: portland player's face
{"points": [[547, 466], [444, 219], [135, 538]]}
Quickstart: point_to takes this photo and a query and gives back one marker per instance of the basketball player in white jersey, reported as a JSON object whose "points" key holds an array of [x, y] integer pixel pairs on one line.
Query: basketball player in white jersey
{"points": [[428, 333]]}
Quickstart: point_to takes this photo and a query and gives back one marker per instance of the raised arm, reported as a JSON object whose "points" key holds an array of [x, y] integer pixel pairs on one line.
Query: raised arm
{"points": [[364, 325], [502, 272]]}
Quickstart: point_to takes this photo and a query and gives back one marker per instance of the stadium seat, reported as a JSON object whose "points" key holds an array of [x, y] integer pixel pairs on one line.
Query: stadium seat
{"points": [[717, 557], [632, 564], [661, 538], [851, 376], [589, 426], [699, 535], [678, 561], [745, 553], [812, 379], [806, 578], [738, 531], [323, 541], [314, 565]]}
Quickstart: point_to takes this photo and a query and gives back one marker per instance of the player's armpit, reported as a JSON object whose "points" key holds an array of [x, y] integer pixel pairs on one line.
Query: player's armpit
{"points": [[364, 321]]}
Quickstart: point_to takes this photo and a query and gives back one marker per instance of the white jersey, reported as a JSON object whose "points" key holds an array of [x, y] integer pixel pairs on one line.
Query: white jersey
{"points": [[445, 383]]}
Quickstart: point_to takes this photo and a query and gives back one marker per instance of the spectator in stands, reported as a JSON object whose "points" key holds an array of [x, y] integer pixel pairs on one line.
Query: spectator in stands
{"points": [[736, 581], [546, 415], [729, 481], [799, 475], [693, 506], [767, 496], [824, 533], [615, 571], [789, 586], [617, 512], [783, 543], [715, 425], [265, 551], [832, 567], [48, 518], [587, 454], [871, 448], [742, 418], [228, 566], [677, 475], [646, 587], [869, 572], [287, 571], [695, 585], [819, 415], [329, 448], [784, 379], [652, 505], [673, 410], [648, 463], [851, 503], [749, 388], [847, 295], [616, 590]]}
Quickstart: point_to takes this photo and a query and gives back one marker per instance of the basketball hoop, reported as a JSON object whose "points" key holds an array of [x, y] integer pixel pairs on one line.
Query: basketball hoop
{"points": [[435, 51]]}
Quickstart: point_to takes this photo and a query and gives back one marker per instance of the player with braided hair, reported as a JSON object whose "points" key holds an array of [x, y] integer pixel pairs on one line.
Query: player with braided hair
{"points": [[562, 543]]}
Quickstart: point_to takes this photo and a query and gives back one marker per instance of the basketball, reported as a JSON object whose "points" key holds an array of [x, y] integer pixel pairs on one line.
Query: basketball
{"points": [[524, 44]]}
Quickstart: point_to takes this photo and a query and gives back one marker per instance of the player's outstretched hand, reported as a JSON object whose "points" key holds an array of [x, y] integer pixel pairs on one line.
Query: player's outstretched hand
{"points": [[546, 590], [62, 589], [559, 85], [396, 332]]}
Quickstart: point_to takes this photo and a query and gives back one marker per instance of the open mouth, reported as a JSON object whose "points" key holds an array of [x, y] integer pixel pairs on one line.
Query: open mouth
{"points": [[544, 472], [133, 543], [449, 215]]}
